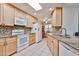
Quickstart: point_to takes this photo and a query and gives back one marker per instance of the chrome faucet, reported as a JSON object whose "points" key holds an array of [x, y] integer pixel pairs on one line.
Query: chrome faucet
{"points": [[64, 30]]}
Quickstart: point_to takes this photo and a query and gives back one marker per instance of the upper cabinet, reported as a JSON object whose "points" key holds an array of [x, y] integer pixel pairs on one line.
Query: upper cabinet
{"points": [[20, 18], [30, 20], [57, 16], [20, 14], [8, 15], [0, 14]]}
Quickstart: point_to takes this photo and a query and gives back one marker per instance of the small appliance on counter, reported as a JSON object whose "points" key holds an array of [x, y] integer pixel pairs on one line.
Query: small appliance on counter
{"points": [[76, 33]]}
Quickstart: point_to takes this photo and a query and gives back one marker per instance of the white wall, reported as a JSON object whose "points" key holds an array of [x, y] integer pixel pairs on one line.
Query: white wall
{"points": [[70, 19]]}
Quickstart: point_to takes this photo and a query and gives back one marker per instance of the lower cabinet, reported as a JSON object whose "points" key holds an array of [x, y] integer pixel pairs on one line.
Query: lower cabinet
{"points": [[65, 50], [59, 48], [2, 50], [32, 39], [53, 45], [2, 47], [8, 46]]}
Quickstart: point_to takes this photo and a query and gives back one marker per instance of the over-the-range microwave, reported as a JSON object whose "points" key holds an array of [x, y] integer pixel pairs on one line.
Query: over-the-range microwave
{"points": [[20, 21]]}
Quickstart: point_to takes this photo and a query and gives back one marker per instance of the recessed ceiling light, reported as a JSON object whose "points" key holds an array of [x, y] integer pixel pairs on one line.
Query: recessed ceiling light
{"points": [[46, 22], [50, 9], [36, 6]]}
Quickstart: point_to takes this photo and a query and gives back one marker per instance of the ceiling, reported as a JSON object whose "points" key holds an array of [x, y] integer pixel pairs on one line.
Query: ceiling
{"points": [[43, 13]]}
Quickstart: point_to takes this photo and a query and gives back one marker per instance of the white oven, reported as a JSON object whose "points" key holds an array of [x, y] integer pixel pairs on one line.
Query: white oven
{"points": [[21, 39]]}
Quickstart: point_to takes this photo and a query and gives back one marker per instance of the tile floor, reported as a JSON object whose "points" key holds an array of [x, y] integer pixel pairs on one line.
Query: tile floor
{"points": [[37, 49]]}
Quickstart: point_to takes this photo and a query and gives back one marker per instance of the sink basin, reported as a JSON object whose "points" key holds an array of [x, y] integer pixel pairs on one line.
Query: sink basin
{"points": [[67, 36]]}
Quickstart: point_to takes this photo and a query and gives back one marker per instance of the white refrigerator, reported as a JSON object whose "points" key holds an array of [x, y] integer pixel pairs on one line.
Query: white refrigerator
{"points": [[37, 29]]}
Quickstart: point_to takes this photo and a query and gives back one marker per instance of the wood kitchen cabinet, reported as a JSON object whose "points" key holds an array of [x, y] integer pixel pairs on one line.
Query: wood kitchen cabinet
{"points": [[29, 23], [32, 39], [8, 46], [53, 45], [2, 47], [19, 14], [30, 20], [57, 17], [7, 15], [0, 14]]}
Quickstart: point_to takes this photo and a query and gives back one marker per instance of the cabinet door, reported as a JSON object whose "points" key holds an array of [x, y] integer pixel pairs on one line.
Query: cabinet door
{"points": [[20, 14], [11, 45], [55, 47], [54, 18], [31, 39], [52, 47], [9, 13], [2, 50], [30, 23], [59, 16], [1, 13], [10, 48], [2, 46]]}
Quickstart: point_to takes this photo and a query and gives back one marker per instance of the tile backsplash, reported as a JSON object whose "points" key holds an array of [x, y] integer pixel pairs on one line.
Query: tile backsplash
{"points": [[8, 30], [5, 31]]}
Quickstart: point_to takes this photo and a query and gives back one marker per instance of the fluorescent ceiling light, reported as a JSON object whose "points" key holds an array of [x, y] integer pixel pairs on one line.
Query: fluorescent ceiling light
{"points": [[36, 6]]}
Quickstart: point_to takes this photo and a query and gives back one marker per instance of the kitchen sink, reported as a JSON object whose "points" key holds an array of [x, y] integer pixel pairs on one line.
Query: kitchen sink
{"points": [[65, 36]]}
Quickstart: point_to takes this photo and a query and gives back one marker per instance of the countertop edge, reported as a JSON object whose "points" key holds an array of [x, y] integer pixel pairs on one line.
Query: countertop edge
{"points": [[63, 42]]}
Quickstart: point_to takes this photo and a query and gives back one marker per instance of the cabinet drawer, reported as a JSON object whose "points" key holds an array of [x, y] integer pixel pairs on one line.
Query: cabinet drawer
{"points": [[10, 39]]}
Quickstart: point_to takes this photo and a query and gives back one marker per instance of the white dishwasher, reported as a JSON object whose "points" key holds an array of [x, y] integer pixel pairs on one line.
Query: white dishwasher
{"points": [[65, 50]]}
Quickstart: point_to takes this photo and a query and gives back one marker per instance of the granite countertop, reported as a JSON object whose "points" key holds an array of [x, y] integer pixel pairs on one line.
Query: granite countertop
{"points": [[7, 36], [72, 41]]}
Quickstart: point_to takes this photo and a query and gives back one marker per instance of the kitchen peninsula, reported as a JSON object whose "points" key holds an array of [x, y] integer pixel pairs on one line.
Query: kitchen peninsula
{"points": [[63, 46]]}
